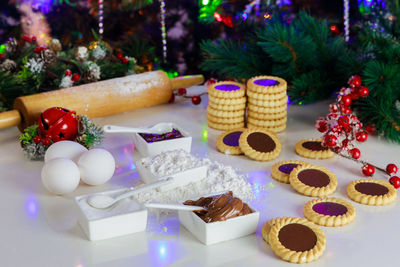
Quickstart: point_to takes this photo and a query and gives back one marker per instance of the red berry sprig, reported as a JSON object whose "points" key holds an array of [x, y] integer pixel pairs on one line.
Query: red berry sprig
{"points": [[196, 99], [342, 129]]}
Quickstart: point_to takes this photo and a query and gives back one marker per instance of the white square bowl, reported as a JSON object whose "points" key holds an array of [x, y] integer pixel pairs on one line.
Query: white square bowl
{"points": [[152, 149], [179, 179], [216, 232], [126, 217]]}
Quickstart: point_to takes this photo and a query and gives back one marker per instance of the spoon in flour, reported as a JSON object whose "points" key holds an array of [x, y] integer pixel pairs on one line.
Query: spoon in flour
{"points": [[159, 128], [103, 201]]}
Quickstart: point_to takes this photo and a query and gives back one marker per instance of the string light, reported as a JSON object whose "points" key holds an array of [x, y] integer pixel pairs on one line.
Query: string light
{"points": [[101, 18], [346, 20], [163, 30]]}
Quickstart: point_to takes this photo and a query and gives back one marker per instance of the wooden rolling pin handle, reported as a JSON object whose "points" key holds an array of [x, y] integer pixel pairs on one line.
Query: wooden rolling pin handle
{"points": [[186, 81], [10, 118]]}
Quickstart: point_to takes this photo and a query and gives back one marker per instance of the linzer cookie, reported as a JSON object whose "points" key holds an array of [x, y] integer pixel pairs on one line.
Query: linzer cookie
{"points": [[267, 116], [266, 85], [329, 212], [266, 228], [259, 144], [263, 96], [225, 120], [223, 107], [228, 142], [225, 114], [371, 192], [276, 103], [275, 129], [226, 89], [266, 110], [267, 123], [280, 171], [227, 101], [225, 126], [314, 181], [296, 240], [313, 149]]}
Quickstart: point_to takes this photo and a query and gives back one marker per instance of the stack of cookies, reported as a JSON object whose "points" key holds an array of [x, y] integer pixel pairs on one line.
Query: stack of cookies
{"points": [[226, 106], [267, 103]]}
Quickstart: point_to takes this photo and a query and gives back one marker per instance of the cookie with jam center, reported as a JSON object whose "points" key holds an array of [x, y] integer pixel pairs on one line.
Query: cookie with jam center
{"points": [[228, 142], [266, 85], [329, 211], [296, 240], [260, 144], [371, 192], [313, 149], [280, 171], [226, 89], [312, 180]]}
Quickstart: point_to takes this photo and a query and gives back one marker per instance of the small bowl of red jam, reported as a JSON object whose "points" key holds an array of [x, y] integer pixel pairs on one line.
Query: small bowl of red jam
{"points": [[150, 144]]}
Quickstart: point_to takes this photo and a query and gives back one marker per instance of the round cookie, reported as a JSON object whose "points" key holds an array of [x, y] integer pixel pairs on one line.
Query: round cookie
{"points": [[267, 123], [268, 110], [259, 144], [227, 101], [226, 89], [371, 192], [227, 107], [329, 212], [268, 103], [313, 149], [222, 113], [225, 127], [266, 228], [262, 96], [266, 85], [276, 129], [296, 240], [226, 120], [228, 142], [312, 180], [267, 116], [280, 171]]}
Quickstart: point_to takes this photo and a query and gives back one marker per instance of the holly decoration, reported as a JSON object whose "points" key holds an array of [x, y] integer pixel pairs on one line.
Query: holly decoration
{"points": [[342, 130]]}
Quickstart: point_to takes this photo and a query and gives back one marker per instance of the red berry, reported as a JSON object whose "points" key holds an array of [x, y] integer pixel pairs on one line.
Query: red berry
{"points": [[182, 91], [354, 95], [363, 91], [76, 77], [333, 108], [26, 38], [196, 99], [370, 129], [120, 56], [330, 140], [125, 60], [1, 55], [172, 99], [395, 181], [361, 136], [344, 121], [355, 153], [346, 110], [355, 81], [46, 142], [68, 73], [322, 126], [368, 170], [37, 49], [391, 168], [346, 100], [49, 136], [33, 39], [37, 139], [345, 143]]}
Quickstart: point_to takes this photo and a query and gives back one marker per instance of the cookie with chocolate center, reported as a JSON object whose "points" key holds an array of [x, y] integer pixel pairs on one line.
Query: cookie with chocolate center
{"points": [[259, 144], [313, 149], [371, 192]]}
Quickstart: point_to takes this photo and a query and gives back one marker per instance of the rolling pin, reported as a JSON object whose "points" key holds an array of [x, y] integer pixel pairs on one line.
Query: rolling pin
{"points": [[100, 98]]}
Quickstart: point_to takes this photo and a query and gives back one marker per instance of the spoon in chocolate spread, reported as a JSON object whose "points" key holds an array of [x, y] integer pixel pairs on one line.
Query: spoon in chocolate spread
{"points": [[160, 128]]}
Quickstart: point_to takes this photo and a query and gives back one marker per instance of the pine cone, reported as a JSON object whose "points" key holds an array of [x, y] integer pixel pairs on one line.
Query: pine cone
{"points": [[92, 73], [55, 45], [11, 45], [48, 56], [81, 53], [8, 65]]}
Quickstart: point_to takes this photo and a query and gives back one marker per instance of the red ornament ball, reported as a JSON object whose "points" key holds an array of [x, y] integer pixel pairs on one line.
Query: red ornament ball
{"points": [[46, 141], [355, 81], [361, 136], [391, 168], [363, 91], [344, 121], [68, 73], [330, 140], [196, 99], [172, 99], [120, 56], [346, 100], [182, 91], [355, 153], [37, 139], [58, 123], [395, 181], [368, 170], [76, 77]]}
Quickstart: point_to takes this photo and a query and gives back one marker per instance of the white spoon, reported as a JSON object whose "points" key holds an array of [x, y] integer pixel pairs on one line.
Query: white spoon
{"points": [[172, 206], [104, 201], [159, 128]]}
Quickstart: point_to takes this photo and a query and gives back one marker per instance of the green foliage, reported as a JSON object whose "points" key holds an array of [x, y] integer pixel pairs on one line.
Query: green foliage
{"points": [[142, 50], [92, 134], [206, 12], [28, 134]]}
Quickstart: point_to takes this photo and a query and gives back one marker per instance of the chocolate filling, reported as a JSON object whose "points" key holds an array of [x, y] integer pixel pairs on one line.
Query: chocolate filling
{"points": [[314, 146], [227, 87], [330, 208], [313, 177], [266, 82], [232, 139], [261, 142], [372, 189], [297, 237], [287, 168]]}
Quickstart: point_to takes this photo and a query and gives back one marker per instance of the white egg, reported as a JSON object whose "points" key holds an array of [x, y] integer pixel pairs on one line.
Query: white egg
{"points": [[64, 149], [96, 166], [60, 176]]}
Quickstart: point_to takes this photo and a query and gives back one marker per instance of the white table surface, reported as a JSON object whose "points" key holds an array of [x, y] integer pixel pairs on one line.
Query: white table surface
{"points": [[40, 229]]}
